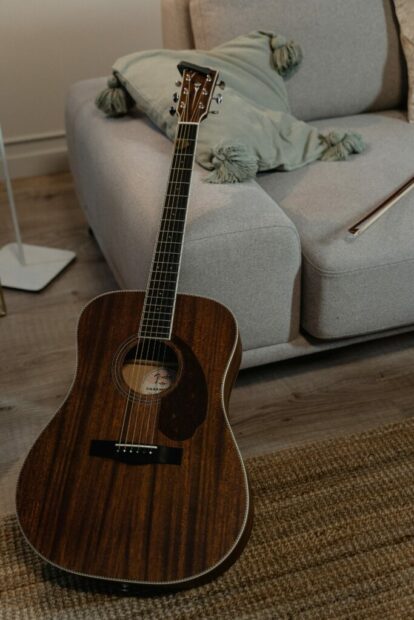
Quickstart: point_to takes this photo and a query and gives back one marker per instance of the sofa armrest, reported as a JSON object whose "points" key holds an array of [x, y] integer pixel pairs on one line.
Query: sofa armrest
{"points": [[240, 247]]}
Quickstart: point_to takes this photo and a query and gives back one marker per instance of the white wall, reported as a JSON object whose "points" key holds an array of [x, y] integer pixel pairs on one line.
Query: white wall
{"points": [[45, 45]]}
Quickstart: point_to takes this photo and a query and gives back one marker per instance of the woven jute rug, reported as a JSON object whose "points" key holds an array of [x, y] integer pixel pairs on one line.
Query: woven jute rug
{"points": [[333, 538]]}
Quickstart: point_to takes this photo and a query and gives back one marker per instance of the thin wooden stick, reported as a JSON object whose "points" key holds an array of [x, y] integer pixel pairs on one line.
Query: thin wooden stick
{"points": [[376, 213]]}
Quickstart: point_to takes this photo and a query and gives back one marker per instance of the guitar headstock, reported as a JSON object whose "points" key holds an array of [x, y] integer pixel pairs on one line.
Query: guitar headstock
{"points": [[196, 95]]}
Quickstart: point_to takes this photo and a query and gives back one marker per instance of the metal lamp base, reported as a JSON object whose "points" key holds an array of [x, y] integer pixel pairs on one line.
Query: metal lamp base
{"points": [[40, 267]]}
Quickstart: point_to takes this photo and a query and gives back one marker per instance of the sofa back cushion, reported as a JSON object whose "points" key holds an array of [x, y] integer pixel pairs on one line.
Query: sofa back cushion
{"points": [[352, 56]]}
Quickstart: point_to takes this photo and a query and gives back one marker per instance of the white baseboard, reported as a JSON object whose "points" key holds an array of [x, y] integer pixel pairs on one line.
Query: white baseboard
{"points": [[36, 156]]}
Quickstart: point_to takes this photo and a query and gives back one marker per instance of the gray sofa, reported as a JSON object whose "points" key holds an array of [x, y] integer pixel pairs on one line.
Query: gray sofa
{"points": [[275, 250]]}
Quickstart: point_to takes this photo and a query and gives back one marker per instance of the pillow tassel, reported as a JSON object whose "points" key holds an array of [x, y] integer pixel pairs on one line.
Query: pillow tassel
{"points": [[340, 145], [232, 164], [287, 55], [114, 100]]}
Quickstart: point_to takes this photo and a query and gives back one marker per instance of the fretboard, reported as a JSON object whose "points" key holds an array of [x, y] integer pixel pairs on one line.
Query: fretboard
{"points": [[159, 304]]}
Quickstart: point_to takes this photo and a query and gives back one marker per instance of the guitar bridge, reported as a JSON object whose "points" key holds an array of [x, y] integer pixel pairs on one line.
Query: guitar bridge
{"points": [[135, 453]]}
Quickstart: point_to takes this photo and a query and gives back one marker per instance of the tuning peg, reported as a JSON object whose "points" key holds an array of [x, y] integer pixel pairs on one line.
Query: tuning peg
{"points": [[178, 83], [172, 111], [222, 84], [218, 98], [175, 97], [214, 111]]}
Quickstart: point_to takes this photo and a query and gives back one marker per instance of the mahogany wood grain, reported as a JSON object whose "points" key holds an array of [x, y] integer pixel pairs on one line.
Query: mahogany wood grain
{"points": [[159, 525]]}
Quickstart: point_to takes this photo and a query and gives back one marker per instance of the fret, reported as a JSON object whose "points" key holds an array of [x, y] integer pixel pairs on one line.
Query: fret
{"points": [[171, 256], [163, 316], [151, 299], [178, 236], [185, 175], [169, 243], [153, 294], [159, 309], [163, 281], [159, 337], [162, 293], [164, 308], [159, 270], [169, 271], [146, 322], [165, 335], [164, 313], [163, 302], [171, 236], [181, 203], [181, 165], [178, 227], [168, 247], [175, 219], [171, 209], [183, 157], [158, 263], [155, 306], [164, 287], [163, 256], [156, 328]]}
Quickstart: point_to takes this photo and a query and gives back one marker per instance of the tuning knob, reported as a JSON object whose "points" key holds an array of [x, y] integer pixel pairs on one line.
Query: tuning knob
{"points": [[178, 83], [214, 111], [222, 84], [218, 98], [172, 111], [175, 97]]}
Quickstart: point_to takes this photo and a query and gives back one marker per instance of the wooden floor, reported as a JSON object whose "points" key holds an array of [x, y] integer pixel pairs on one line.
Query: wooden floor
{"points": [[272, 407]]}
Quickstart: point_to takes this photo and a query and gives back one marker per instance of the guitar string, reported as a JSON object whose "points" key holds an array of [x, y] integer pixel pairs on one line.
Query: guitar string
{"points": [[160, 282], [151, 343], [148, 339], [188, 136], [175, 226], [155, 292], [128, 410], [178, 226], [193, 138], [162, 279]]}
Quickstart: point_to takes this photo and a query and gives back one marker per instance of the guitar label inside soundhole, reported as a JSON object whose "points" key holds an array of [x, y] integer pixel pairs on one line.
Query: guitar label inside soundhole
{"points": [[148, 368], [148, 378]]}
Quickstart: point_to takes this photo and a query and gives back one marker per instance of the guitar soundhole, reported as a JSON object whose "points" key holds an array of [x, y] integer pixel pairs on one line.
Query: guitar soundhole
{"points": [[147, 368]]}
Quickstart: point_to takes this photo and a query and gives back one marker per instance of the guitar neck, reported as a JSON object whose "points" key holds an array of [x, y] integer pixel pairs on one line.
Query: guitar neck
{"points": [[158, 313]]}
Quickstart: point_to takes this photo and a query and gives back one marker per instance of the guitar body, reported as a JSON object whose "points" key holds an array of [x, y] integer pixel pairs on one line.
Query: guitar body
{"points": [[138, 479]]}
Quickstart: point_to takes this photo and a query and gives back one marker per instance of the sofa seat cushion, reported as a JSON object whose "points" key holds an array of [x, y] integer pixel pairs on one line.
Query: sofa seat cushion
{"points": [[353, 285]]}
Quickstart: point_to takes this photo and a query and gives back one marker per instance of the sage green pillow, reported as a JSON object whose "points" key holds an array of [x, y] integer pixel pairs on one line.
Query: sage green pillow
{"points": [[254, 130]]}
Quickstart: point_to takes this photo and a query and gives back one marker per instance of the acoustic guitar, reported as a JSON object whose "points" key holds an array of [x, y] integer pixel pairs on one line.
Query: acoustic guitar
{"points": [[137, 479]]}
